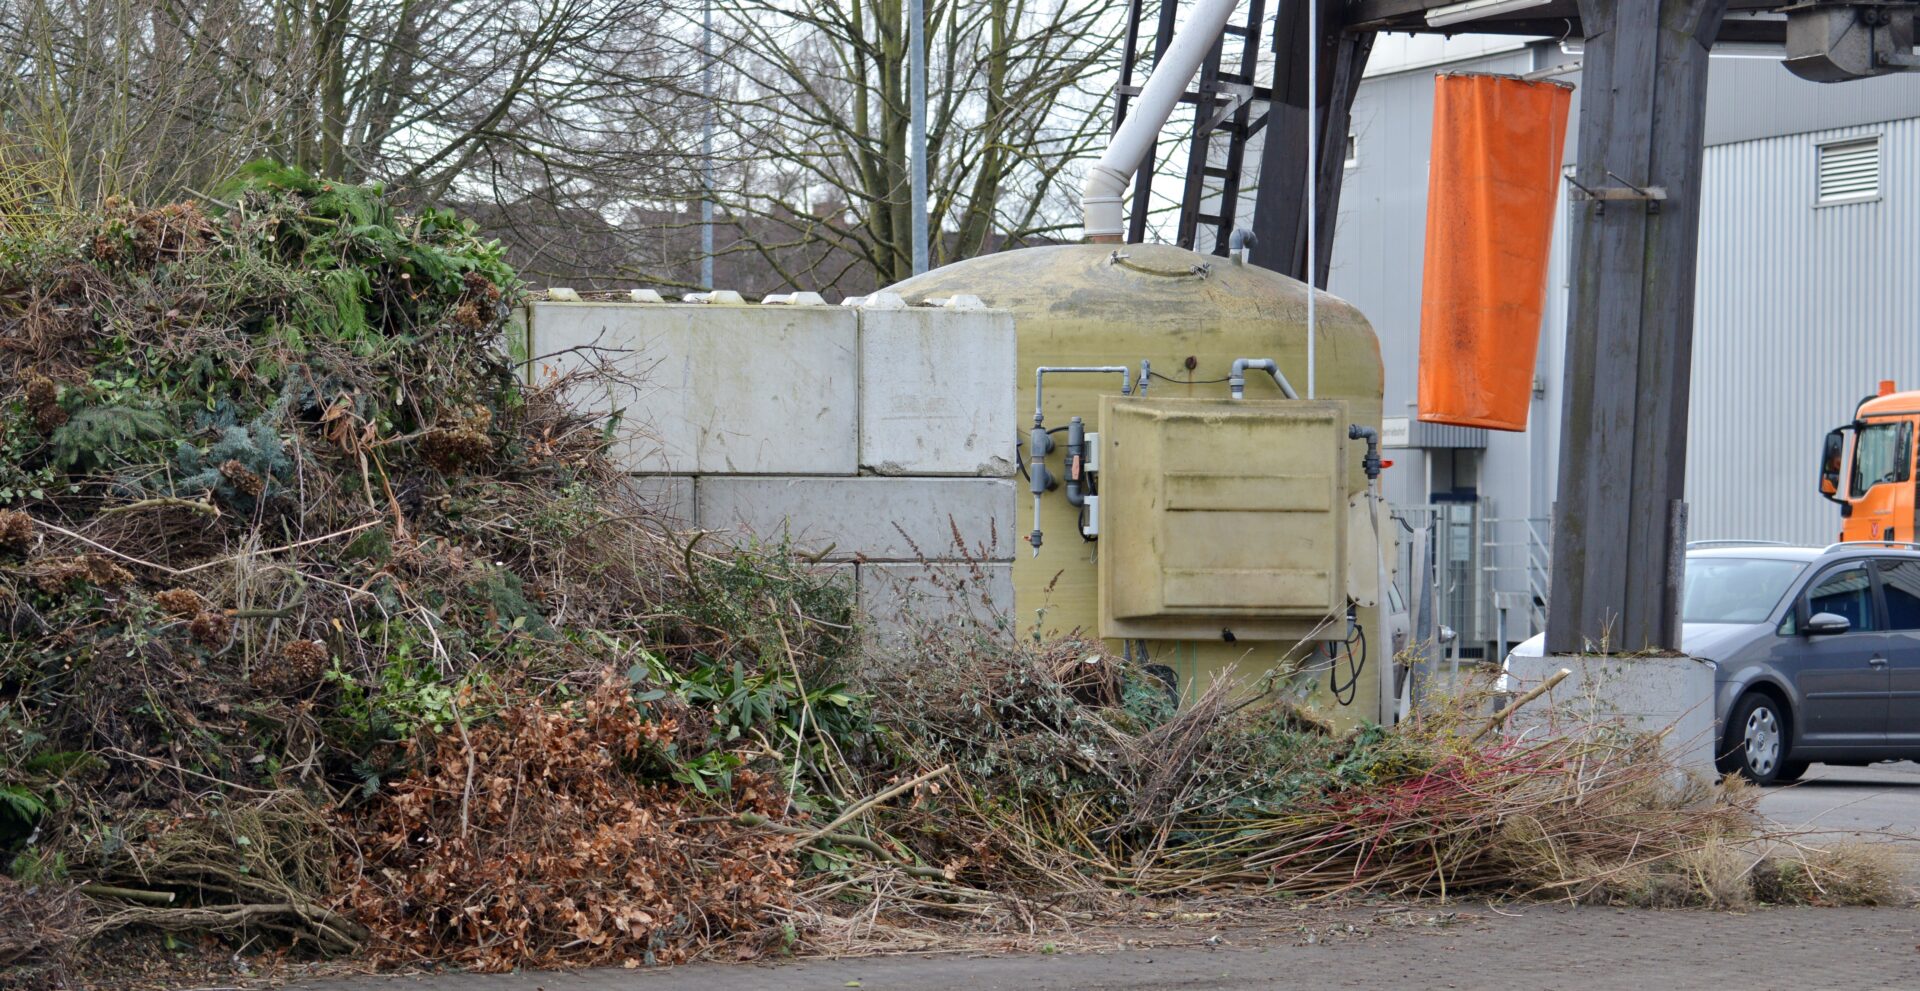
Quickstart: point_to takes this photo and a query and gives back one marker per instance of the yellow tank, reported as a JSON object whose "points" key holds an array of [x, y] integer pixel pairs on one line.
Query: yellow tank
{"points": [[1189, 316]]}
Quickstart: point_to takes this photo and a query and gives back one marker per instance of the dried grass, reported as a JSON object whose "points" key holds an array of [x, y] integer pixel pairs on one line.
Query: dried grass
{"points": [[1844, 874]]}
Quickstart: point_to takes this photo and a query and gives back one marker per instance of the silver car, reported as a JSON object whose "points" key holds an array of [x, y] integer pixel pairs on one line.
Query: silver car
{"points": [[1816, 653]]}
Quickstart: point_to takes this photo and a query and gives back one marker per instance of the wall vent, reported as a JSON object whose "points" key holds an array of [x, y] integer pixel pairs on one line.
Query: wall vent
{"points": [[1850, 171]]}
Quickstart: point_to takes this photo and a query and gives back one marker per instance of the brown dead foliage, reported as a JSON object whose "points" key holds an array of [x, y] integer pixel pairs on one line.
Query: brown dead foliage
{"points": [[243, 478], [210, 629], [459, 441], [16, 531], [527, 841], [182, 602], [43, 404], [68, 574], [38, 927]]}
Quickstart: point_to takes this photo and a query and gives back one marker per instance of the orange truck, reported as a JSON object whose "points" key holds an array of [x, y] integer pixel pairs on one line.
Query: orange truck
{"points": [[1867, 467]]}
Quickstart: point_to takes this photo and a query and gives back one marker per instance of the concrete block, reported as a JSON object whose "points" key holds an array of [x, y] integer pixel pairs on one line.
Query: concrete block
{"points": [[884, 519], [937, 390], [1638, 694], [731, 389], [900, 597], [669, 495]]}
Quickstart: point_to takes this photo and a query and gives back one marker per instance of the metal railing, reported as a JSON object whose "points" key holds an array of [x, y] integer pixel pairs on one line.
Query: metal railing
{"points": [[1517, 563]]}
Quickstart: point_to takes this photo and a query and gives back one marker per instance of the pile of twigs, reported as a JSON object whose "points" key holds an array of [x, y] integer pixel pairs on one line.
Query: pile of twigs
{"points": [[289, 552], [1240, 791]]}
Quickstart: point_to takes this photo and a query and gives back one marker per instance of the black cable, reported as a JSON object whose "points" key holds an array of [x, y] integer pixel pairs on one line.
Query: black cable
{"points": [[1175, 381], [1356, 649]]}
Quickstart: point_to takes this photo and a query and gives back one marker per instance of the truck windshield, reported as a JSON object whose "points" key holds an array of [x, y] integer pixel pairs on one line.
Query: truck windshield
{"points": [[1734, 590], [1883, 452]]}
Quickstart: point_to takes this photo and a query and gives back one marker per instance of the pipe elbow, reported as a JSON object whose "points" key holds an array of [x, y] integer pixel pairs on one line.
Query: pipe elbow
{"points": [[1237, 378], [1101, 203]]}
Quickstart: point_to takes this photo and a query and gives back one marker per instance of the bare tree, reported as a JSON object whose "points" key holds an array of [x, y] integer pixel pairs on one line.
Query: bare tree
{"points": [[550, 107], [572, 126], [815, 168]]}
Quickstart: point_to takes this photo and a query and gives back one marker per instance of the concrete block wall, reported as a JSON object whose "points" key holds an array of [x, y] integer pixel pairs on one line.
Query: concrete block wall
{"points": [[1672, 696], [878, 437]]}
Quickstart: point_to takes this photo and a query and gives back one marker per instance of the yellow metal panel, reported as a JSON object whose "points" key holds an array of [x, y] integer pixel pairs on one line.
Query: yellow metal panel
{"points": [[1246, 591], [1227, 492], [1220, 517]]}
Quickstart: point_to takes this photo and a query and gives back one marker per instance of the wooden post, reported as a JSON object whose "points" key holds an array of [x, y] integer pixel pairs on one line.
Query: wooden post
{"points": [[1630, 324]]}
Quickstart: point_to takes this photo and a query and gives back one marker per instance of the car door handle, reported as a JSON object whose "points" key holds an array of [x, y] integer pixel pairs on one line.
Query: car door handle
{"points": [[1878, 662]]}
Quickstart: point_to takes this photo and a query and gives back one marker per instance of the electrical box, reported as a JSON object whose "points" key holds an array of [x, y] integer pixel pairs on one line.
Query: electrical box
{"points": [[1223, 519]]}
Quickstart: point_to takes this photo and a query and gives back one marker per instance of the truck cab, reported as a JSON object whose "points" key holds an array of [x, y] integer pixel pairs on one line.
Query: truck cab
{"points": [[1867, 467]]}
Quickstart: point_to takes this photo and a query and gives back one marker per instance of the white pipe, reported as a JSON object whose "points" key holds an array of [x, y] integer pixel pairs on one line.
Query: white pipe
{"points": [[1237, 377], [1100, 202]]}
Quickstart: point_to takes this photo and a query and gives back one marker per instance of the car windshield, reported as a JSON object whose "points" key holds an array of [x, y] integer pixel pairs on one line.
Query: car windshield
{"points": [[1734, 590]]}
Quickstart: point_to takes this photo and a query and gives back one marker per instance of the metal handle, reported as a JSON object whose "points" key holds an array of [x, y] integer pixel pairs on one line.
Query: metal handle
{"points": [[1878, 662]]}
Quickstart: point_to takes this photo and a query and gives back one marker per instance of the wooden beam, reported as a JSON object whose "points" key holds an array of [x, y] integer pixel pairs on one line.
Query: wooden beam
{"points": [[1630, 326], [1279, 218]]}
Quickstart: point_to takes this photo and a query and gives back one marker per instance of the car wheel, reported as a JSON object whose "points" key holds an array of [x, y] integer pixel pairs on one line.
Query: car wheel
{"points": [[1790, 771], [1756, 744]]}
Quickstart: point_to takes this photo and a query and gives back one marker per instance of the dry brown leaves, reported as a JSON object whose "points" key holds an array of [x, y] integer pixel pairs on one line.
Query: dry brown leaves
{"points": [[16, 531], [37, 930], [58, 575], [149, 237], [182, 602], [461, 440], [527, 841]]}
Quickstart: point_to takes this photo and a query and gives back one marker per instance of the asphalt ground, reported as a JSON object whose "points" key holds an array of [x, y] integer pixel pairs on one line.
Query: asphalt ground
{"points": [[1530, 948], [1879, 803]]}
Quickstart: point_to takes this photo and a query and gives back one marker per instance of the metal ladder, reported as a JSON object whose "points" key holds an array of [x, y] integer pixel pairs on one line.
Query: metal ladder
{"points": [[1224, 114]]}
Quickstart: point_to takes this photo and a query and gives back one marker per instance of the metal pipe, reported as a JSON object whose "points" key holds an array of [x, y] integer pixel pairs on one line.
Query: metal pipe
{"points": [[1237, 377], [1240, 243], [1040, 382], [1100, 199], [706, 145], [917, 126], [1370, 463], [1039, 480]]}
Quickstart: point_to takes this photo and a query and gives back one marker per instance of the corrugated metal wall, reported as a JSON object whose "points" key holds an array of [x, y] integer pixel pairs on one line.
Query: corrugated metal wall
{"points": [[1802, 309]]}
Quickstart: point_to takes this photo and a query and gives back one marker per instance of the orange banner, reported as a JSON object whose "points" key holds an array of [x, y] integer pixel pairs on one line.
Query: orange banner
{"points": [[1492, 192]]}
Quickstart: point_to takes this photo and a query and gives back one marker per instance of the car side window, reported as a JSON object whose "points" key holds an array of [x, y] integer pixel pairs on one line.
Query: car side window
{"points": [[1883, 452], [1900, 581], [1847, 592]]}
